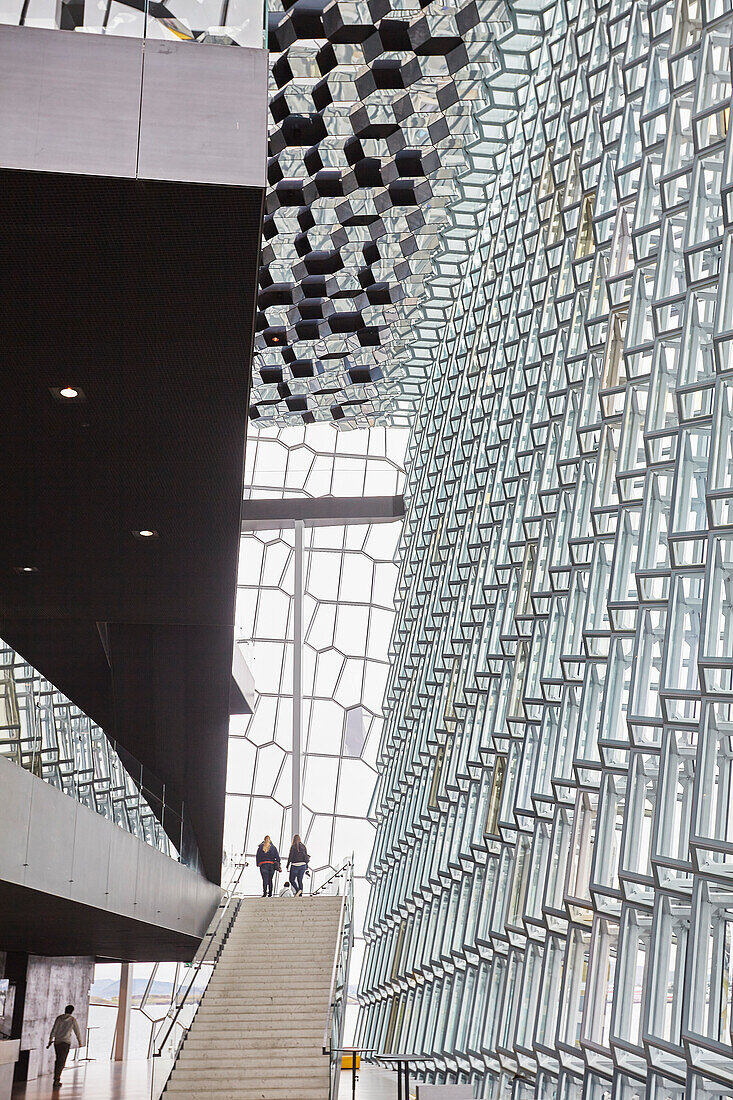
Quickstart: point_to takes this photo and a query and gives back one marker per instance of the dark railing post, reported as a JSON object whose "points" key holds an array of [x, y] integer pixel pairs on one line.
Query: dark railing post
{"points": [[333, 1032], [228, 895]]}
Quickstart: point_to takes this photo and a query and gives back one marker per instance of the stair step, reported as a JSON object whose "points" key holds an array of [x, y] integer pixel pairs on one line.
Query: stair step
{"points": [[245, 932], [283, 993], [262, 1008], [301, 1026], [272, 993], [250, 1065], [302, 975], [214, 1046], [260, 989], [263, 1018], [249, 945], [250, 954], [194, 1068], [263, 1091], [314, 1034], [241, 970], [279, 930], [282, 928], [261, 1005], [250, 951], [279, 985]]}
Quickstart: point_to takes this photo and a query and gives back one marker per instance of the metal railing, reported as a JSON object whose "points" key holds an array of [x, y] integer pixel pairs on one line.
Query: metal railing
{"points": [[333, 1033], [376, 1054], [346, 869], [44, 733], [217, 22], [166, 1050]]}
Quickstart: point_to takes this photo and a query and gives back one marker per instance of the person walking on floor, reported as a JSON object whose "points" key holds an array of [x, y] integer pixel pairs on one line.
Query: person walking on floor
{"points": [[298, 860], [64, 1026], [268, 861]]}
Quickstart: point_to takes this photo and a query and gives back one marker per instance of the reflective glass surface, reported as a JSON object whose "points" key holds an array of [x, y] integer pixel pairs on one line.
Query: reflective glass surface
{"points": [[348, 613], [218, 22], [45, 733], [551, 912]]}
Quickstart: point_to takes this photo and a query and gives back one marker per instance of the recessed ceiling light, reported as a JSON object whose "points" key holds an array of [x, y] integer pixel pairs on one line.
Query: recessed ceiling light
{"points": [[145, 533], [68, 393], [26, 569]]}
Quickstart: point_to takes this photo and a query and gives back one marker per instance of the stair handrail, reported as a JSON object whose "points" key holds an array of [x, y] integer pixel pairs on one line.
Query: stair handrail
{"points": [[336, 874], [228, 895], [338, 993]]}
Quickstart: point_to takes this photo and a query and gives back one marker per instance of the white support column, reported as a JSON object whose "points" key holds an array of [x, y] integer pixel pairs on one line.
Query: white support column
{"points": [[297, 764], [122, 1029]]}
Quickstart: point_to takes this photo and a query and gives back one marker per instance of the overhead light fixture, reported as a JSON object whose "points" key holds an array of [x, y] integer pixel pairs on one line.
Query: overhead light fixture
{"points": [[25, 569], [68, 393], [145, 533]]}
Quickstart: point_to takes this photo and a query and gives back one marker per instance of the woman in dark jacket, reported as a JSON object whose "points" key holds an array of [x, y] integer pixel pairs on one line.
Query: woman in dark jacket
{"points": [[297, 862], [268, 861]]}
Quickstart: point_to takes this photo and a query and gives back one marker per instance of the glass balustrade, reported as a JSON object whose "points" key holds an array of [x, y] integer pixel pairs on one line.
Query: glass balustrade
{"points": [[219, 22], [45, 733]]}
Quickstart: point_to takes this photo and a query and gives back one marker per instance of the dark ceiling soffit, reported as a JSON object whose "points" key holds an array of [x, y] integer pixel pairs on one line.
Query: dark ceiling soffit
{"points": [[158, 441], [276, 514], [45, 924]]}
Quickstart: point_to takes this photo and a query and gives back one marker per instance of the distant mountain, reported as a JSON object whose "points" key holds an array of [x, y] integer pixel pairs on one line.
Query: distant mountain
{"points": [[109, 989]]}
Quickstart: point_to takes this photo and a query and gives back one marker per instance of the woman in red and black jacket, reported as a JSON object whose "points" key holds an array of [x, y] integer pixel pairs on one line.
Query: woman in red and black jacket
{"points": [[268, 861]]}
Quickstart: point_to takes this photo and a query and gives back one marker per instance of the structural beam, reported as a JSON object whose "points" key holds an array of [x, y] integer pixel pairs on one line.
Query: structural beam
{"points": [[278, 513]]}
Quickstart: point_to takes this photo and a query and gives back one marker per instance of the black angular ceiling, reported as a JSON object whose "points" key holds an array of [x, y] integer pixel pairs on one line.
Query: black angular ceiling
{"points": [[371, 108], [140, 296]]}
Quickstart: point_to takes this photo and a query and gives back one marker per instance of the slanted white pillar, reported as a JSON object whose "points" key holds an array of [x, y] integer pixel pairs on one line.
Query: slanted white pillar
{"points": [[122, 1028], [297, 757]]}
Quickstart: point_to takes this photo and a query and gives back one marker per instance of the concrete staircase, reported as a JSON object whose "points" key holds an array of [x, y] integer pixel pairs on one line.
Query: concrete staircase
{"points": [[210, 945], [258, 1033]]}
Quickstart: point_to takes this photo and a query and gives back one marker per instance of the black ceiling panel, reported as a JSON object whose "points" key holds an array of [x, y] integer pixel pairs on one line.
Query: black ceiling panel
{"points": [[141, 295]]}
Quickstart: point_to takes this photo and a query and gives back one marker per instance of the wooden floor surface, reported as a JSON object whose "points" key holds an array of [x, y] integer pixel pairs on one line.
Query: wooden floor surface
{"points": [[131, 1081], [92, 1081]]}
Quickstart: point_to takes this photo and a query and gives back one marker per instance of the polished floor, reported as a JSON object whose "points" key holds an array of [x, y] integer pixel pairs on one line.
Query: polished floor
{"points": [[92, 1081], [373, 1084], [131, 1081]]}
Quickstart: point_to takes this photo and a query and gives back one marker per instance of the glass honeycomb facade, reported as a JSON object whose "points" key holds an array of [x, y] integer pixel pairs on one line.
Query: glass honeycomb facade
{"points": [[348, 613], [551, 912]]}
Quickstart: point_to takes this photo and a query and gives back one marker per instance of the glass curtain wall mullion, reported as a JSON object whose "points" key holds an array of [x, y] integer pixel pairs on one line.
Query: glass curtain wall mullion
{"points": [[562, 659]]}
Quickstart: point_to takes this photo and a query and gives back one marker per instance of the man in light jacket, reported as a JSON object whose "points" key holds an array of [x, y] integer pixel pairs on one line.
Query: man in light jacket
{"points": [[64, 1026]]}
